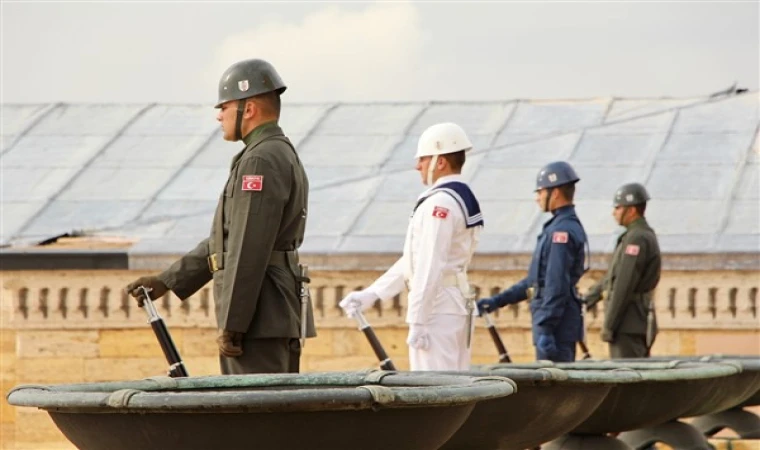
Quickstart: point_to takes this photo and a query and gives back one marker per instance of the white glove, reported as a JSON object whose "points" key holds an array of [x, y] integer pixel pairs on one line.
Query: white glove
{"points": [[358, 301], [418, 336]]}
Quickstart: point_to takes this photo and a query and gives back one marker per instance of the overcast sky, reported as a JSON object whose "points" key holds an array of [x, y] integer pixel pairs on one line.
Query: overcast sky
{"points": [[325, 51]]}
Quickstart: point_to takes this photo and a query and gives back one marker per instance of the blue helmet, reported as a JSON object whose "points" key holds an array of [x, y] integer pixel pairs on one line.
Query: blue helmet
{"points": [[556, 174]]}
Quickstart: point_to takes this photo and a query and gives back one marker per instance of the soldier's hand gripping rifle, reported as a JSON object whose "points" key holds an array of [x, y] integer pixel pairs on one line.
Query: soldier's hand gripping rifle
{"points": [[495, 337], [502, 349], [374, 342], [176, 366]]}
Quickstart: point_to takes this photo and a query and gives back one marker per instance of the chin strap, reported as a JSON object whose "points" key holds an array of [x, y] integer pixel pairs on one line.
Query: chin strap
{"points": [[431, 168], [623, 215], [548, 198], [239, 120]]}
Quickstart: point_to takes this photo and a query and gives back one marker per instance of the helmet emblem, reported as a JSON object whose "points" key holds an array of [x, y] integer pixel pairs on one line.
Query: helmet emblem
{"points": [[629, 197], [243, 85], [552, 177], [438, 145]]}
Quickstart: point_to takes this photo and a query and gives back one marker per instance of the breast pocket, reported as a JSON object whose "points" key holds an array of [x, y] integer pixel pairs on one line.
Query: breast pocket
{"points": [[229, 188], [229, 193], [541, 255]]}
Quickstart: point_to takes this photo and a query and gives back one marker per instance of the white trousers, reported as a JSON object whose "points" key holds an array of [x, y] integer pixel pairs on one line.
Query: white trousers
{"points": [[448, 345]]}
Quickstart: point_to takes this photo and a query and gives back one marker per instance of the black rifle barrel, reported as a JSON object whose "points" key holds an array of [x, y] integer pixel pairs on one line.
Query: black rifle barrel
{"points": [[584, 349], [374, 342], [496, 338], [582, 342], [503, 355], [176, 366], [377, 347]]}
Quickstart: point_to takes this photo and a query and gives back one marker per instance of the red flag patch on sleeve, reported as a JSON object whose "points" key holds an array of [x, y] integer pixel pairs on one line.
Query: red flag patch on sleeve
{"points": [[440, 212], [253, 182], [559, 237], [632, 250]]}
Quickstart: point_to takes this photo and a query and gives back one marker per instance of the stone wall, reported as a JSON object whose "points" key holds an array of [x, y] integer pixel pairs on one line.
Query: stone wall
{"points": [[74, 326]]}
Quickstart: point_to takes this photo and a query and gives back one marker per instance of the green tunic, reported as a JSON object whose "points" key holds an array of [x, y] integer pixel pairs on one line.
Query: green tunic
{"points": [[627, 289], [251, 251]]}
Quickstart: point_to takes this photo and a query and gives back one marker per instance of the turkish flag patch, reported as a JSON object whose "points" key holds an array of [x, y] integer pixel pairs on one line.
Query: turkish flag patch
{"points": [[632, 250], [440, 212], [253, 182], [559, 237]]}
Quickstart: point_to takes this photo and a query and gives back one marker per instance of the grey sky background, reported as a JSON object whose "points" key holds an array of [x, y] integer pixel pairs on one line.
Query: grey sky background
{"points": [[327, 51]]}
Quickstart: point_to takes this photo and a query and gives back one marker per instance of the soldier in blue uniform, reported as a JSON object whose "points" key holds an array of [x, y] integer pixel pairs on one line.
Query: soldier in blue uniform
{"points": [[557, 265]]}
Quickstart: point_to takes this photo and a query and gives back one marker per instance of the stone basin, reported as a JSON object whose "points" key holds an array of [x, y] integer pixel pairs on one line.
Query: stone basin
{"points": [[742, 390], [668, 388], [337, 410], [549, 403], [667, 391], [729, 414]]}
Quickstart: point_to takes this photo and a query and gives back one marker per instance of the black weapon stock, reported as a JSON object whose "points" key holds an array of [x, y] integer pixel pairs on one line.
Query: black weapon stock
{"points": [[650, 326], [374, 342], [582, 342], [500, 347], [584, 349], [305, 295], [176, 366]]}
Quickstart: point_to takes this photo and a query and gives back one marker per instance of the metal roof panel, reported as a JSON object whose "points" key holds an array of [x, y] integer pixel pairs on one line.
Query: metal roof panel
{"points": [[474, 118], [174, 120], [86, 120], [37, 152]]}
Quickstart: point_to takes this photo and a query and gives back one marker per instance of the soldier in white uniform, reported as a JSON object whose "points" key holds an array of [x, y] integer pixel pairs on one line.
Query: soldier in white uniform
{"points": [[440, 240]]}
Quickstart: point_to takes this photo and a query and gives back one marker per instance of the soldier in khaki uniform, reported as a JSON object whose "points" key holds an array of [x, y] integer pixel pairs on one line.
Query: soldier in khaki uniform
{"points": [[630, 325], [251, 253]]}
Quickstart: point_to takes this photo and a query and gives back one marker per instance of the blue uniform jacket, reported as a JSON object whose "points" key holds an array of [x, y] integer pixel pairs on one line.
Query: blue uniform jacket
{"points": [[557, 265]]}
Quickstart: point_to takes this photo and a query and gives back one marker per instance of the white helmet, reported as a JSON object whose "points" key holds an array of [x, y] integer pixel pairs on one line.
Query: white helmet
{"points": [[441, 139]]}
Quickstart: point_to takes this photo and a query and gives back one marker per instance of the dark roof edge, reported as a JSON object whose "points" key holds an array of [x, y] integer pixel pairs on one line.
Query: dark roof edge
{"points": [[120, 259], [63, 259]]}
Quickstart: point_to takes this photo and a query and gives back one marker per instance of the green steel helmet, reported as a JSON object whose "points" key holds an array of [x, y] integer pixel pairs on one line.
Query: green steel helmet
{"points": [[555, 174], [247, 79], [630, 194]]}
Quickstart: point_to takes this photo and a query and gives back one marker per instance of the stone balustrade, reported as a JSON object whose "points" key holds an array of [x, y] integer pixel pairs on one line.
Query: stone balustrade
{"points": [[93, 300]]}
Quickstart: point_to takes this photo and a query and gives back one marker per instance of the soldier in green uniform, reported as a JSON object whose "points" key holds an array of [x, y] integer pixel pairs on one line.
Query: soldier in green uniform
{"points": [[628, 286], [251, 253]]}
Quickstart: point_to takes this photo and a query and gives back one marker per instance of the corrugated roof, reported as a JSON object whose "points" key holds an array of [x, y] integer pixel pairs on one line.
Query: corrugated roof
{"points": [[154, 172]]}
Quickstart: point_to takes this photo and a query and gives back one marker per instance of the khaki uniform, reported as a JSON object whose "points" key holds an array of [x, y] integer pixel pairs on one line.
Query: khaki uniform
{"points": [[251, 255], [627, 290]]}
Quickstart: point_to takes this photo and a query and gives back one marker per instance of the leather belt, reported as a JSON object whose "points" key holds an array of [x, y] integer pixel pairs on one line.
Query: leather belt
{"points": [[276, 258]]}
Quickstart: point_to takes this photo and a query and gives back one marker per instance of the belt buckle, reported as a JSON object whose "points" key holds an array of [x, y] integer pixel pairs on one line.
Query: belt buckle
{"points": [[213, 266]]}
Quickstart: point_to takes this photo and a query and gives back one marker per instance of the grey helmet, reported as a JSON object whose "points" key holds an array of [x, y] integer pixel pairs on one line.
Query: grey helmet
{"points": [[630, 194], [555, 174], [248, 78]]}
